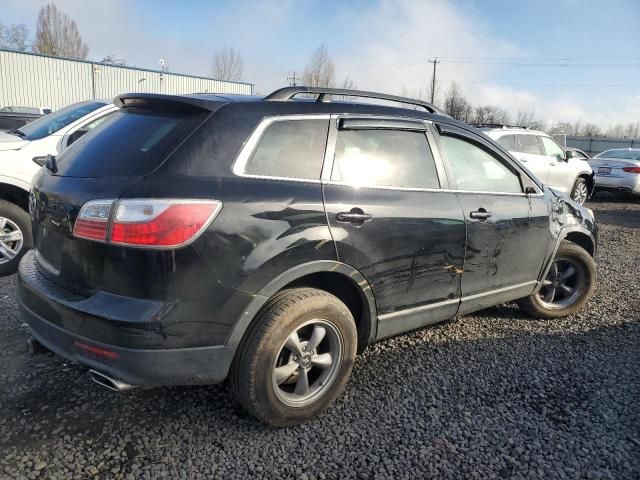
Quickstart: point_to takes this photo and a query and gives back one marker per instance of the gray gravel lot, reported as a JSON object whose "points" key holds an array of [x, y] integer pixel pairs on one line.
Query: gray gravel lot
{"points": [[490, 395]]}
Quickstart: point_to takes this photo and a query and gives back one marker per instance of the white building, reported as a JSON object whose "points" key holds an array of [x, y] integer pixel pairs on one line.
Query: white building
{"points": [[33, 80]]}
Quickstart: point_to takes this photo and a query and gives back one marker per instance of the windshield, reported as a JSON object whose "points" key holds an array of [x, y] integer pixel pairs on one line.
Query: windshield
{"points": [[55, 121], [622, 154]]}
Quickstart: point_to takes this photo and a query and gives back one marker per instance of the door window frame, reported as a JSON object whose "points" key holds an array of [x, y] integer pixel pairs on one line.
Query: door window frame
{"points": [[382, 122]]}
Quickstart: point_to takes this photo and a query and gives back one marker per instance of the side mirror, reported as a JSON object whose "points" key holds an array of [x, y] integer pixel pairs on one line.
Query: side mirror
{"points": [[40, 161], [530, 191]]}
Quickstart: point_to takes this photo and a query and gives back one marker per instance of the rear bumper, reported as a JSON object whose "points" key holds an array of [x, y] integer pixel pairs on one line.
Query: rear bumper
{"points": [[54, 323], [629, 183]]}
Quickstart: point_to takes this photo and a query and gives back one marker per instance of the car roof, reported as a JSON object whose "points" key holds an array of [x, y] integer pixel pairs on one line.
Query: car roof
{"points": [[509, 130], [315, 98]]}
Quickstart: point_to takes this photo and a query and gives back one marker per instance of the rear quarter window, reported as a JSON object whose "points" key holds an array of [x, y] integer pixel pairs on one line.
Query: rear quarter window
{"points": [[289, 149], [130, 143]]}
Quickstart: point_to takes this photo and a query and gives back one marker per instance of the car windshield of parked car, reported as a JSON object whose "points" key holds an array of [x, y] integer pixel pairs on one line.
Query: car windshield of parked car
{"points": [[55, 121], [621, 154]]}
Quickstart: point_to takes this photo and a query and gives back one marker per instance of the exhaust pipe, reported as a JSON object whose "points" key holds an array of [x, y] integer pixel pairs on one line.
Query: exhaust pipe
{"points": [[108, 382], [624, 189]]}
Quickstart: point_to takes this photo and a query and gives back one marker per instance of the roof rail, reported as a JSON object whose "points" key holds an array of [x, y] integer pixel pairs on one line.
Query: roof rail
{"points": [[324, 94], [498, 125]]}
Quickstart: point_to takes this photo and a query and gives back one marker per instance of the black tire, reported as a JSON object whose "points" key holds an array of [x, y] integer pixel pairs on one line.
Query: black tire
{"points": [[252, 375], [580, 191], [585, 271], [19, 219]]}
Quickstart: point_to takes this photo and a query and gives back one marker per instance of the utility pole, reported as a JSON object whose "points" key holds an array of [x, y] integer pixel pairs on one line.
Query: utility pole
{"points": [[292, 79], [435, 62]]}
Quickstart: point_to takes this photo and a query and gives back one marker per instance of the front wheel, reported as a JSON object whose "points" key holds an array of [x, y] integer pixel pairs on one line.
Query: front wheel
{"points": [[580, 191], [567, 287], [297, 357], [15, 236]]}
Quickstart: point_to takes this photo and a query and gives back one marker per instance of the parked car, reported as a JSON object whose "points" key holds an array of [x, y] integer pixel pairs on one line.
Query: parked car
{"points": [[618, 170], [18, 109], [546, 159], [13, 120], [195, 238], [572, 152], [49, 135]]}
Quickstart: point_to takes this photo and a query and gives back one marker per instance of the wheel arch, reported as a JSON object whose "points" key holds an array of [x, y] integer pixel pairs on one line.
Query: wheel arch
{"points": [[15, 192], [339, 279]]}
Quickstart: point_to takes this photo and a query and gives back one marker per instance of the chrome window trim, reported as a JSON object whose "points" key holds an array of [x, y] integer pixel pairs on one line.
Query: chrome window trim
{"points": [[447, 190], [250, 145]]}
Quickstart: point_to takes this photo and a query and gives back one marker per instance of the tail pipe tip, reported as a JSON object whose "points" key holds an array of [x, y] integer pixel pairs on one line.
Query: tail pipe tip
{"points": [[109, 382]]}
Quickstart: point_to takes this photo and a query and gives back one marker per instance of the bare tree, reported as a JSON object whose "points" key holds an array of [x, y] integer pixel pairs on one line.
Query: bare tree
{"points": [[320, 71], [348, 83], [524, 118], [456, 105], [228, 65], [113, 60], [490, 114], [58, 35], [14, 37]]}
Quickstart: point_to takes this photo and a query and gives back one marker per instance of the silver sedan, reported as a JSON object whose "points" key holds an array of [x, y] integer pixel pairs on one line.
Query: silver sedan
{"points": [[618, 170]]}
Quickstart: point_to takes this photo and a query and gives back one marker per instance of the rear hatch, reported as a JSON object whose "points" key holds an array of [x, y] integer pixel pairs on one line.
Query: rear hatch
{"points": [[102, 165]]}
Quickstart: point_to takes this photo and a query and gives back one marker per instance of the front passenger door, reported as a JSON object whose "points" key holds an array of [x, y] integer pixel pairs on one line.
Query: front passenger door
{"points": [[507, 230], [530, 153]]}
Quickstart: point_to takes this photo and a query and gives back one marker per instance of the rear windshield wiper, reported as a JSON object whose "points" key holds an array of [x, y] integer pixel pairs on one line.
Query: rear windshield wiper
{"points": [[15, 131]]}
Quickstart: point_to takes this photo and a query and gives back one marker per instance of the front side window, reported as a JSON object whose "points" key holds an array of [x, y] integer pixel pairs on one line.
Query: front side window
{"points": [[476, 169], [290, 149], [552, 148], [384, 158], [528, 144]]}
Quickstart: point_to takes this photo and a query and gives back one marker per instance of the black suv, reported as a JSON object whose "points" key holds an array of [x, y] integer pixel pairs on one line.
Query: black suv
{"points": [[190, 239]]}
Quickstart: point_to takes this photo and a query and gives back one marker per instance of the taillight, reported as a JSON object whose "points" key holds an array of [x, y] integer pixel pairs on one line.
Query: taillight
{"points": [[156, 223], [93, 220], [631, 169]]}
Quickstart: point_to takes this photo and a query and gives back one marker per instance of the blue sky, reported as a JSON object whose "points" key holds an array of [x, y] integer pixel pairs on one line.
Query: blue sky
{"points": [[502, 52]]}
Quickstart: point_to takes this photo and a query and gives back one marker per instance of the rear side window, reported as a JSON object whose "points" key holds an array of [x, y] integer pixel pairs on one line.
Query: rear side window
{"points": [[129, 143], [477, 170], [290, 149], [508, 142], [386, 158], [528, 144], [8, 123]]}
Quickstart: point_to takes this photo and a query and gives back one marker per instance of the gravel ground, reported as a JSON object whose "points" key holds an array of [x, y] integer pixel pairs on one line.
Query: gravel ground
{"points": [[490, 395]]}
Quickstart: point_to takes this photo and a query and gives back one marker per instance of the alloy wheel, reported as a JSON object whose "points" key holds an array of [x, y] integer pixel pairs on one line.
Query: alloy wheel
{"points": [[308, 363], [11, 240], [564, 284], [580, 193]]}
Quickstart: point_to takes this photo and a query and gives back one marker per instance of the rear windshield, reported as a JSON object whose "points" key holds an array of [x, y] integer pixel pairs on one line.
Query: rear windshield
{"points": [[53, 122], [130, 143], [621, 154]]}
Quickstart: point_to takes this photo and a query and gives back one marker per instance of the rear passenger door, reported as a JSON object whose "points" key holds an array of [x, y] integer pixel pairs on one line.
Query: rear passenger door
{"points": [[392, 218], [529, 151], [507, 230]]}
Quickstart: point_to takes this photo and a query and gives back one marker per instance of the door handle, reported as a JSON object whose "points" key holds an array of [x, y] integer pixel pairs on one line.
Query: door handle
{"points": [[355, 217], [480, 214]]}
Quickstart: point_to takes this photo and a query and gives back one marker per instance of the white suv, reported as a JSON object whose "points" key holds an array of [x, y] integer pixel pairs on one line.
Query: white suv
{"points": [[547, 160], [48, 135]]}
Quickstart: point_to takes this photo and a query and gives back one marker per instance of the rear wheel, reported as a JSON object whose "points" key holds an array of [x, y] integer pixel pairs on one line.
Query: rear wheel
{"points": [[580, 191], [15, 236], [567, 287], [296, 358]]}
